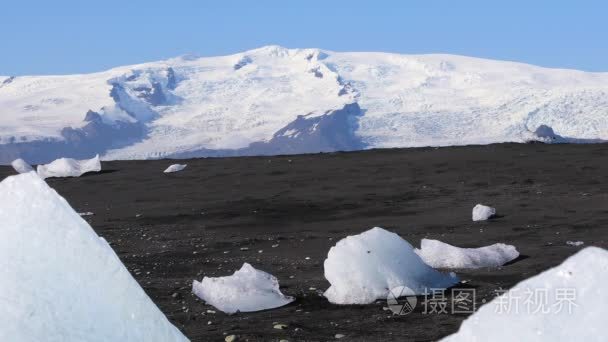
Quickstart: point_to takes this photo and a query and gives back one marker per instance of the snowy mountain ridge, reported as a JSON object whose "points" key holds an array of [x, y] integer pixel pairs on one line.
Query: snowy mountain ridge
{"points": [[275, 100]]}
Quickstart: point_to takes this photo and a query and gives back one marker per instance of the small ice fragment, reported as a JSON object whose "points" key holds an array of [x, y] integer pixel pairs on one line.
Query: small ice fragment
{"points": [[482, 212], [247, 290], [575, 243], [175, 168], [438, 254]]}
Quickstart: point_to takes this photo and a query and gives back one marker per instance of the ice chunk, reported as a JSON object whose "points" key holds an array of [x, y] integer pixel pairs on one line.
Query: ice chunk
{"points": [[575, 243], [67, 167], [246, 290], [438, 254], [175, 168], [59, 281], [482, 212], [364, 267], [564, 303], [21, 166]]}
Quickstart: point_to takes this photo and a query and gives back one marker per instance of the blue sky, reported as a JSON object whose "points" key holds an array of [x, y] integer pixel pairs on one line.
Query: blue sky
{"points": [[57, 37]]}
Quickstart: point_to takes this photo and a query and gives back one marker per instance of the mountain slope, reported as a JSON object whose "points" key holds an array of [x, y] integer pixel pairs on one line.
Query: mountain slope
{"points": [[278, 100]]}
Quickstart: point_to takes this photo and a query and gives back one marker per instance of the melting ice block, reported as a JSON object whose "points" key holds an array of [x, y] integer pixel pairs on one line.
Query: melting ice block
{"points": [[67, 167], [438, 254], [59, 281], [21, 166], [248, 289], [364, 267], [564, 303]]}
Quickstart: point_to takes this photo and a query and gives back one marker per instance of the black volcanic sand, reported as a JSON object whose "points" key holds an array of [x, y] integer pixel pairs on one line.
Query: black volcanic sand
{"points": [[171, 229]]}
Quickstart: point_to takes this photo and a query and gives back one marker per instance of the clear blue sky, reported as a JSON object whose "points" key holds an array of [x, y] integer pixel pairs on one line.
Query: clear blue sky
{"points": [[60, 36]]}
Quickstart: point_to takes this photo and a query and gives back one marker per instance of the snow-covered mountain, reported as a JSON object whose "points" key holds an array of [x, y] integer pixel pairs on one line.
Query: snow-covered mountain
{"points": [[275, 100]]}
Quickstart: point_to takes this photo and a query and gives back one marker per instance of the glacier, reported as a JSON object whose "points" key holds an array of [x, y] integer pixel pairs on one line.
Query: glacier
{"points": [[275, 100]]}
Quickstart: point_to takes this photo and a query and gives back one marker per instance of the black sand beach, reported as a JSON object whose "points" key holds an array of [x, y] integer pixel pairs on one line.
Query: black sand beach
{"points": [[169, 229]]}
